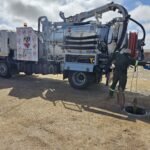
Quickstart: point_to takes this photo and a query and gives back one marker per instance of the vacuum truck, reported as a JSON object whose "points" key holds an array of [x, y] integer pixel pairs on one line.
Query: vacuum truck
{"points": [[77, 48]]}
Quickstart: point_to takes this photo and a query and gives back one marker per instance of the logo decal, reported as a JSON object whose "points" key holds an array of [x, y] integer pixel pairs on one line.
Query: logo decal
{"points": [[26, 41]]}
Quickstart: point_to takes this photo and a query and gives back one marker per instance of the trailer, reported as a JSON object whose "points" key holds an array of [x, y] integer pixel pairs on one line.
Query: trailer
{"points": [[76, 48]]}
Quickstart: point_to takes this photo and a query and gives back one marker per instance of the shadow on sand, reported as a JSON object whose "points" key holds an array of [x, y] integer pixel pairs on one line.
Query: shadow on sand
{"points": [[92, 99]]}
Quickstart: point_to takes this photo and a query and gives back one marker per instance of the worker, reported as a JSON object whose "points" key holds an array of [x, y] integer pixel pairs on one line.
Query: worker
{"points": [[122, 60]]}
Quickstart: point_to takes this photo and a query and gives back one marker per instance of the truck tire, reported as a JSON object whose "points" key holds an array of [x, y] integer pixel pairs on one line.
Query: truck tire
{"points": [[4, 70], [79, 80]]}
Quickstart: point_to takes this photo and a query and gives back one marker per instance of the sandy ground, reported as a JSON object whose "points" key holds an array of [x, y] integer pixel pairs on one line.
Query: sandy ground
{"points": [[45, 113]]}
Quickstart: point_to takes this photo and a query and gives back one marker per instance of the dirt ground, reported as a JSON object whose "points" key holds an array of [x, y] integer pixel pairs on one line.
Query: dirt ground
{"points": [[44, 113]]}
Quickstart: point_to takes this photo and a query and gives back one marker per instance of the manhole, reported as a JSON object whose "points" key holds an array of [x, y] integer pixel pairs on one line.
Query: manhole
{"points": [[135, 111]]}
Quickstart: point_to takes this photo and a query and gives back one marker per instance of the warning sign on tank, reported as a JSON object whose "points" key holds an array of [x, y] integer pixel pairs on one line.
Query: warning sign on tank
{"points": [[27, 44]]}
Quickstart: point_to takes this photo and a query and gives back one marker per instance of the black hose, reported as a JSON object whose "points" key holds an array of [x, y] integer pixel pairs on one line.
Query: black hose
{"points": [[144, 33]]}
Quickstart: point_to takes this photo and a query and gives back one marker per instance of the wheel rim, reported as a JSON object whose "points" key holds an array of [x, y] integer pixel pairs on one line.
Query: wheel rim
{"points": [[3, 69], [79, 78]]}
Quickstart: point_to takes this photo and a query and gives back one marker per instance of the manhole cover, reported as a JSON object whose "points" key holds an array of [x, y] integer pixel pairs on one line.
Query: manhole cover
{"points": [[135, 111]]}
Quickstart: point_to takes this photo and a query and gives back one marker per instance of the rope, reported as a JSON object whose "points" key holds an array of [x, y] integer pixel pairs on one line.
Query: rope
{"points": [[131, 87], [136, 80], [132, 81]]}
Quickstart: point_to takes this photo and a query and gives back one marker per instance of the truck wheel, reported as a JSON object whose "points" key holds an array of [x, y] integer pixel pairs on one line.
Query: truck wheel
{"points": [[4, 70], [79, 80]]}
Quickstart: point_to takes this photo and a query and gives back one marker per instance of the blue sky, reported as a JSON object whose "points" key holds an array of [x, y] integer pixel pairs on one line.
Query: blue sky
{"points": [[132, 4], [14, 13]]}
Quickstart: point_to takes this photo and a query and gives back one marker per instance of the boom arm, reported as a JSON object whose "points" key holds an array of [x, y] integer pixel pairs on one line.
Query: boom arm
{"points": [[79, 18], [100, 10]]}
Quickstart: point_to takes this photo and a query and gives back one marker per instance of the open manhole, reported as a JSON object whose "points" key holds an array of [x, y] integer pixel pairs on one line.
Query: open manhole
{"points": [[135, 111]]}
